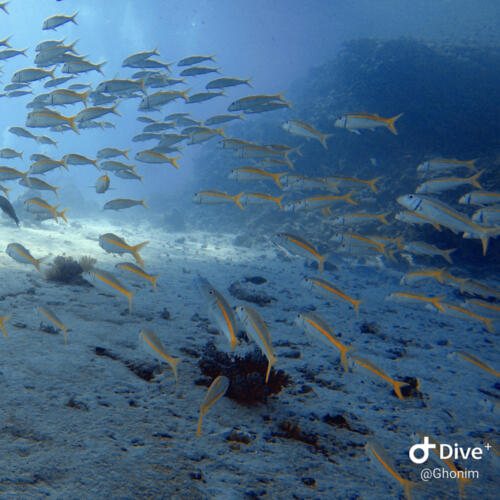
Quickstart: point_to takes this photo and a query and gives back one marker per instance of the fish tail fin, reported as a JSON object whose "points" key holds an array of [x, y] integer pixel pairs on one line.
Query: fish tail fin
{"points": [[200, 420], [72, 18], [130, 295], [26, 178], [221, 132], [64, 164], [114, 111], [62, 214], [3, 319], [472, 163], [279, 200], [173, 161], [84, 96], [20, 155], [276, 178], [71, 121], [173, 363], [94, 162], [270, 364], [51, 73], [392, 121], [447, 253], [135, 252], [324, 137], [348, 198], [474, 180], [397, 388], [125, 153], [435, 302], [64, 328], [143, 203], [153, 280], [322, 259], [484, 241], [383, 218], [247, 81], [53, 210], [184, 94], [36, 262], [98, 67], [54, 190], [372, 184], [71, 47], [356, 304], [488, 323], [236, 199], [23, 52], [437, 226], [143, 85], [343, 356]]}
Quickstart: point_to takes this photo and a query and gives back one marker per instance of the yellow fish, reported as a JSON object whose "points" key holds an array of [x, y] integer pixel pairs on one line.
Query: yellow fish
{"points": [[114, 244], [49, 314], [476, 361], [3, 319], [356, 121], [110, 280], [138, 272], [216, 390], [152, 344]]}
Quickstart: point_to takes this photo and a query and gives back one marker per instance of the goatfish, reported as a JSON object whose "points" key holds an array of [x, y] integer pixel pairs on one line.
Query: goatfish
{"points": [[255, 174], [28, 75], [105, 153], [121, 203], [134, 271], [151, 156], [47, 118], [256, 100], [416, 299], [37, 205], [349, 240], [188, 61], [8, 209], [112, 243], [10, 153], [213, 197], [36, 183], [102, 184], [258, 331], [444, 165], [483, 198], [41, 167], [416, 218], [482, 305], [304, 129], [445, 183], [356, 121], [476, 361], [422, 274], [446, 216], [3, 319], [51, 23], [374, 450], [297, 245], [327, 290], [221, 83], [340, 180], [261, 199], [319, 202], [23, 255], [359, 218], [139, 56], [365, 363], [421, 248], [94, 112], [8, 173], [218, 119], [216, 390], [49, 314], [103, 277], [489, 215], [462, 313], [77, 159], [219, 310], [150, 341], [318, 329]]}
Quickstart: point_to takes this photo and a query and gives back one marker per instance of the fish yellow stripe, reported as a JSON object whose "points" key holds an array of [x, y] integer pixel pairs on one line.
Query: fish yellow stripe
{"points": [[305, 247], [233, 341], [116, 287], [26, 256]]}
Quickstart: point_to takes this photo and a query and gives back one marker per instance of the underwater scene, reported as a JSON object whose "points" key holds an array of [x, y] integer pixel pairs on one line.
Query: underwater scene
{"points": [[250, 250]]}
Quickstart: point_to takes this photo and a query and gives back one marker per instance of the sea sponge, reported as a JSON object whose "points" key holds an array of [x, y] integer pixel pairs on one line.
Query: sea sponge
{"points": [[246, 375], [67, 270]]}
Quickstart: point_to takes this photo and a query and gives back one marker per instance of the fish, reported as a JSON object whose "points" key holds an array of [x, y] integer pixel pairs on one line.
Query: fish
{"points": [[374, 450], [135, 271], [39, 206], [188, 61], [213, 197], [341, 180], [297, 245], [422, 248], [482, 198], [488, 215], [356, 121], [250, 101], [3, 320], [8, 209], [329, 291], [9, 53], [203, 96], [476, 361], [150, 102], [103, 277], [3, 6], [150, 341], [461, 312], [365, 363], [36, 183], [42, 166], [48, 313], [158, 126], [351, 240], [221, 83], [445, 183], [444, 215], [217, 389], [94, 112], [422, 274], [10, 153], [218, 119], [417, 299], [318, 329], [67, 96], [151, 156], [444, 165], [48, 118], [112, 243], [128, 174], [320, 202], [254, 174], [4, 42], [82, 67], [58, 81], [121, 85], [360, 218], [112, 153], [102, 184], [23, 255], [304, 129], [416, 218], [27, 75], [51, 23], [198, 70], [21, 132], [115, 166], [205, 135], [261, 198], [121, 203], [258, 331], [77, 159], [139, 56]]}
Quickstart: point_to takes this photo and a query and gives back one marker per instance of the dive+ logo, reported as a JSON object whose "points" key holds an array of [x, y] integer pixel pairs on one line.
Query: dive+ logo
{"points": [[445, 451]]}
